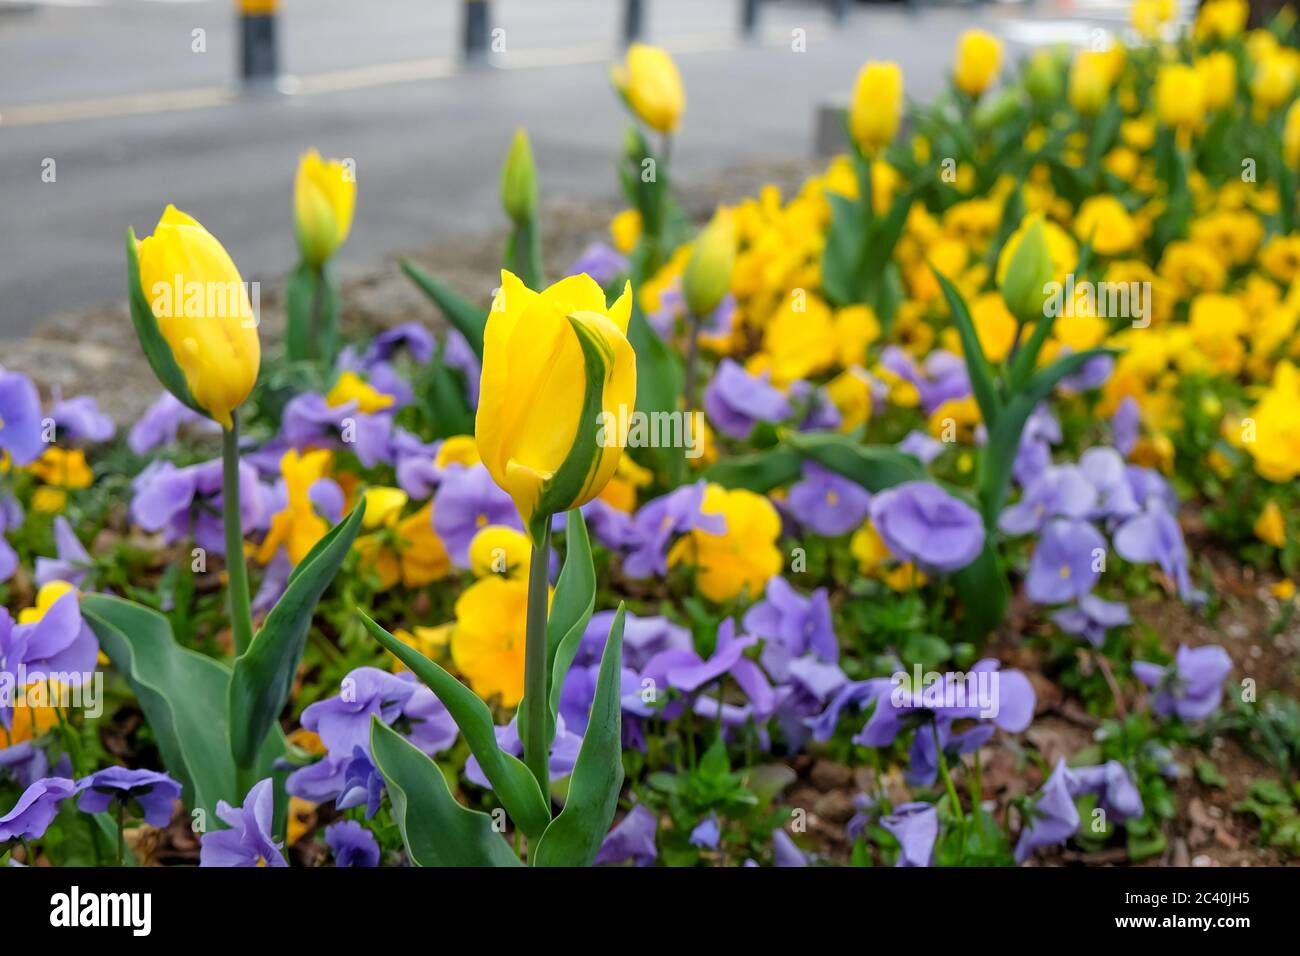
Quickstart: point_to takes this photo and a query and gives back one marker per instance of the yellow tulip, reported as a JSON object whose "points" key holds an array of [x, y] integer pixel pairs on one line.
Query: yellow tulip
{"points": [[877, 106], [1180, 97], [324, 195], [1091, 75], [649, 81], [1219, 75], [1291, 136], [1273, 81], [979, 54], [203, 312], [557, 389]]}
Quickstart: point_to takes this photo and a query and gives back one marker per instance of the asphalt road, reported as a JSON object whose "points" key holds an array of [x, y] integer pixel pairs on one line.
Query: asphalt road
{"points": [[112, 92]]}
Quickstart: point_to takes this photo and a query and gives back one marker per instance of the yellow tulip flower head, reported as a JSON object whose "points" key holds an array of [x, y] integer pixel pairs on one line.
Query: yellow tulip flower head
{"points": [[648, 80], [191, 293], [1273, 80], [1180, 97], [324, 196], [1219, 74], [556, 394], [1091, 75], [979, 54], [877, 106], [1291, 136]]}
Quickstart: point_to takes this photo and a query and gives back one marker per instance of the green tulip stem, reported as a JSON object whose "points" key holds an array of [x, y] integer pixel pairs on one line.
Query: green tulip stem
{"points": [[536, 757], [241, 618], [692, 360]]}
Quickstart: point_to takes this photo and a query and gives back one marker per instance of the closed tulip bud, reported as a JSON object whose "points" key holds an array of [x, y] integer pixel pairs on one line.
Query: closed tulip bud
{"points": [[708, 272], [1024, 268], [519, 180], [1090, 79], [193, 315], [649, 82], [1291, 136], [979, 55], [1043, 77], [997, 110], [557, 389], [324, 196], [877, 106]]}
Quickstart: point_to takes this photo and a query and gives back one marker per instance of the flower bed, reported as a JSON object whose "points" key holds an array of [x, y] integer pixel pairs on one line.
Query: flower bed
{"points": [[849, 528]]}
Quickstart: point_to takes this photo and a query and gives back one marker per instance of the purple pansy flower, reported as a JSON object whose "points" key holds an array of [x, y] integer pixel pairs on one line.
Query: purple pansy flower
{"points": [[60, 645], [707, 833], [659, 521], [162, 422], [736, 401], [564, 751], [73, 561], [1125, 425], [1059, 491], [185, 503], [828, 503], [1054, 818], [785, 853], [632, 840], [20, 418], [799, 624], [1192, 687], [1154, 536], [36, 808], [1092, 617], [467, 501], [924, 448], [156, 793], [249, 841], [600, 261], [1065, 562], [80, 419], [915, 826], [922, 523], [310, 421], [352, 844]]}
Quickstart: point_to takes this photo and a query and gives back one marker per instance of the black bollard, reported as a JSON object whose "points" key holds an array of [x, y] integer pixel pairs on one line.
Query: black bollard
{"points": [[633, 21], [259, 60], [748, 17], [477, 30]]}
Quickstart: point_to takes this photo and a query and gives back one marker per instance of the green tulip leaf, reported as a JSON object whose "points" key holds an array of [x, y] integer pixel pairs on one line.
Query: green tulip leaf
{"points": [[1004, 437], [758, 472], [183, 695], [574, 837], [874, 467], [263, 675], [512, 782], [977, 363], [436, 830], [463, 316], [152, 343], [444, 398], [659, 377], [571, 609]]}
